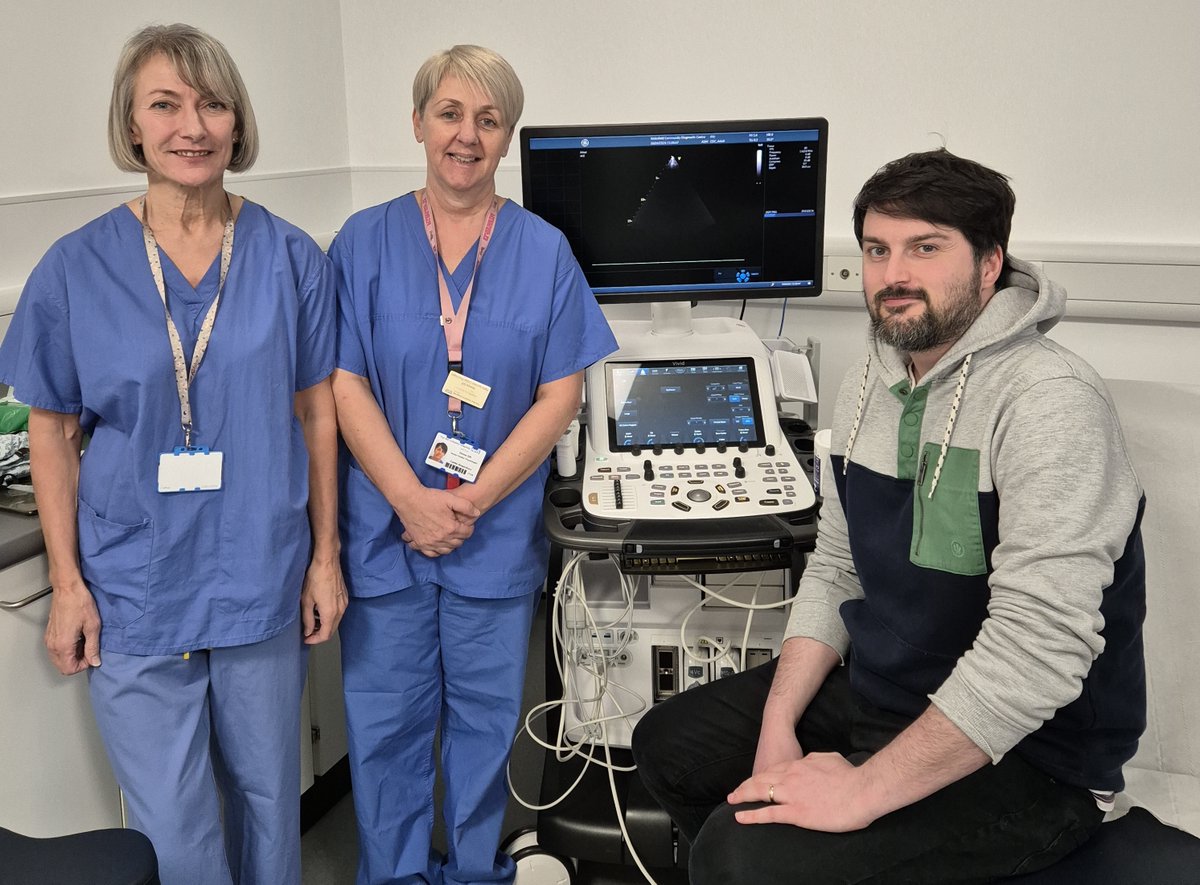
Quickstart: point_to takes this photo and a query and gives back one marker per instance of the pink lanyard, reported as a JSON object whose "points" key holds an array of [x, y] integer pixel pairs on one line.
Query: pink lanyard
{"points": [[454, 323]]}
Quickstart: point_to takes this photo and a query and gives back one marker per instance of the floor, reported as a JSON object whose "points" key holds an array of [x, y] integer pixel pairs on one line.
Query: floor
{"points": [[329, 850]]}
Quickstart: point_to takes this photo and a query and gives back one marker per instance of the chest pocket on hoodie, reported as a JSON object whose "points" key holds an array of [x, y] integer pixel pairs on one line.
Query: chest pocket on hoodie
{"points": [[946, 530]]}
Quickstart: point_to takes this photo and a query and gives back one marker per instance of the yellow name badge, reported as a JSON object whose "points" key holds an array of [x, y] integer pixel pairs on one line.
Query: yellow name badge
{"points": [[472, 392]]}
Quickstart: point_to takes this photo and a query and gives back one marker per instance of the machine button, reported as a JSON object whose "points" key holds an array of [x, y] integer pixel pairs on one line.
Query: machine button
{"points": [[684, 474], [764, 463], [721, 448], [699, 448], [769, 451], [721, 504], [658, 450], [699, 495], [674, 490], [679, 450], [770, 471], [743, 448], [679, 505], [657, 502], [774, 491], [658, 494], [787, 479], [741, 499], [704, 473], [781, 463], [659, 485], [720, 473], [666, 474], [720, 489], [789, 488], [605, 470], [595, 477], [635, 451], [624, 469], [648, 469], [768, 502], [594, 498], [695, 482]]}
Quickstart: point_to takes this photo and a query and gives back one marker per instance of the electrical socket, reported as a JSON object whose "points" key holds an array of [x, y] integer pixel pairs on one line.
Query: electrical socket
{"points": [[843, 273]]}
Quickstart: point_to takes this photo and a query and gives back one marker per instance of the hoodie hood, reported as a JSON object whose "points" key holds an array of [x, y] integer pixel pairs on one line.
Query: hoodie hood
{"points": [[1029, 302]]}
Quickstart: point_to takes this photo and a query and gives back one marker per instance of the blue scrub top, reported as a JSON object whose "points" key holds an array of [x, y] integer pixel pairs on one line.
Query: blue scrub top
{"points": [[532, 320], [182, 571]]}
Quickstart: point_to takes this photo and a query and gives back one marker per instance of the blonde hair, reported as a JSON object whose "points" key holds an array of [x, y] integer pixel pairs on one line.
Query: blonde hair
{"points": [[478, 67], [202, 63]]}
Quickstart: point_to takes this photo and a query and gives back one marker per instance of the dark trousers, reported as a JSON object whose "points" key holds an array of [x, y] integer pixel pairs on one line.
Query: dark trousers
{"points": [[1002, 820]]}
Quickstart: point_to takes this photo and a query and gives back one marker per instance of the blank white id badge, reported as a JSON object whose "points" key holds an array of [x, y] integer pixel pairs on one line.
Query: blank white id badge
{"points": [[460, 457], [189, 470]]}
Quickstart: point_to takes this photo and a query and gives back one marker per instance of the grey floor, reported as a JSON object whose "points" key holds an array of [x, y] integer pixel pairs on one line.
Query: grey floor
{"points": [[329, 850]]}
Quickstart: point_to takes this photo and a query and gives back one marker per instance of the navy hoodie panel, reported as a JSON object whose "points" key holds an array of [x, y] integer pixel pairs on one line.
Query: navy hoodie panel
{"points": [[901, 653], [913, 624]]}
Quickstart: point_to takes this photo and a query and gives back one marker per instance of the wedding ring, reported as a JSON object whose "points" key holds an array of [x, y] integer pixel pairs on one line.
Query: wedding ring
{"points": [[771, 794]]}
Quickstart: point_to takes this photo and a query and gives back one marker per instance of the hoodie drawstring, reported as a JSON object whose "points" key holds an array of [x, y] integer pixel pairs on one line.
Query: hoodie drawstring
{"points": [[954, 406]]}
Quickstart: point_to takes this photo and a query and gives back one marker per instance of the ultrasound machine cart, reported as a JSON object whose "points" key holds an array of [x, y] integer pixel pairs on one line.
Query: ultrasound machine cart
{"points": [[672, 506]]}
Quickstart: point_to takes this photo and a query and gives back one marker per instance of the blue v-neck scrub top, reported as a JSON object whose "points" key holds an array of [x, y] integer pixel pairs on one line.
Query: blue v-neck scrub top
{"points": [[182, 571], [532, 320]]}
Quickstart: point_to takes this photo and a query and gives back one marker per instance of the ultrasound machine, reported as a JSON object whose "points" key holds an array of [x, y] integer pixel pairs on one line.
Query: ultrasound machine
{"points": [[683, 515]]}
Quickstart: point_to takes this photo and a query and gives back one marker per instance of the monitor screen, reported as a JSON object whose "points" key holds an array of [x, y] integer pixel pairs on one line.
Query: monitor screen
{"points": [[682, 403], [685, 211]]}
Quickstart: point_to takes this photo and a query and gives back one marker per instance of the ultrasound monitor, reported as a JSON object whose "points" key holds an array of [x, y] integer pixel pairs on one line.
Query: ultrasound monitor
{"points": [[685, 211]]}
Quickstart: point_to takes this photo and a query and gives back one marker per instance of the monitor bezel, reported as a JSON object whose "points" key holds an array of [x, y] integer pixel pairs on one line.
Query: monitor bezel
{"points": [[760, 428], [716, 292]]}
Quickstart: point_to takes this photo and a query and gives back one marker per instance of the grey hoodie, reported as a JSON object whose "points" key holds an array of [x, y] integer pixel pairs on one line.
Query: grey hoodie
{"points": [[980, 548]]}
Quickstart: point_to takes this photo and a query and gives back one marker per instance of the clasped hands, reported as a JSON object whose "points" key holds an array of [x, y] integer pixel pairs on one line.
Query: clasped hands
{"points": [[437, 521]]}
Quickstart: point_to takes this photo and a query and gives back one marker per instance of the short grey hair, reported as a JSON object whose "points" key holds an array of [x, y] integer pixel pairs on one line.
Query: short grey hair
{"points": [[201, 62], [481, 68]]}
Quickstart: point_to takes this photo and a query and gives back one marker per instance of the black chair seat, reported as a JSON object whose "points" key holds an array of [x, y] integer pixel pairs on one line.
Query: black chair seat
{"points": [[1137, 849], [101, 857]]}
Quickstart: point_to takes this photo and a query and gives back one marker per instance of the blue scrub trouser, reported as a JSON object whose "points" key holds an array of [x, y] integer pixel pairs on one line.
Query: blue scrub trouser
{"points": [[410, 660], [178, 731]]}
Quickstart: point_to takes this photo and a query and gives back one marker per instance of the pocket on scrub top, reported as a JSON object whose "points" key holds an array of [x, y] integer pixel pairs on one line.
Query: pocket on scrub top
{"points": [[115, 561], [370, 528]]}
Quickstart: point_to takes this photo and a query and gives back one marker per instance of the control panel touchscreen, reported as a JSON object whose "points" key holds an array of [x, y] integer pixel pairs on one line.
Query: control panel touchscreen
{"points": [[683, 402]]}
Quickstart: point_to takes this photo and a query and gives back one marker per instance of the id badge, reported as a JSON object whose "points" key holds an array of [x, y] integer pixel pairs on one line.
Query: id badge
{"points": [[472, 392], [459, 457], [189, 470]]}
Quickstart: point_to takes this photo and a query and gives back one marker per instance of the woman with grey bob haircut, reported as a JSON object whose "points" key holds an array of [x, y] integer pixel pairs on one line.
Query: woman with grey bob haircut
{"points": [[203, 64], [190, 333]]}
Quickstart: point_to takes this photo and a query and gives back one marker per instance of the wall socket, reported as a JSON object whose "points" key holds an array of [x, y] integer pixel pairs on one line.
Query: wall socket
{"points": [[843, 273]]}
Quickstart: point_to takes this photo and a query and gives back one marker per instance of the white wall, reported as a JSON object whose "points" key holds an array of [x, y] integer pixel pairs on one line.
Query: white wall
{"points": [[1090, 107]]}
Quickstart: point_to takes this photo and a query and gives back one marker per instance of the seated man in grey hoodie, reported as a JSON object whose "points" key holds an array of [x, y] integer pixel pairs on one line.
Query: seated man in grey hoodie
{"points": [[962, 675]]}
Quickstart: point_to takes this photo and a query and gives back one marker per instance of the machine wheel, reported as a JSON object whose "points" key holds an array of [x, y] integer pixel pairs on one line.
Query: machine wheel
{"points": [[535, 865]]}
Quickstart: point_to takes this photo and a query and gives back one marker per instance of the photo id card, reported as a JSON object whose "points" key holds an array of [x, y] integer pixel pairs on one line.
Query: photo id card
{"points": [[189, 470], [472, 392], [459, 457]]}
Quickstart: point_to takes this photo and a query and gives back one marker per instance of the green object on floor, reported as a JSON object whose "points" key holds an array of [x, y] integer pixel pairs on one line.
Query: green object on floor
{"points": [[14, 417]]}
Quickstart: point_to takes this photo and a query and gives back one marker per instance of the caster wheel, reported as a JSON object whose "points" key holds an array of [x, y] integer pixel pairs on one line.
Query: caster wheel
{"points": [[535, 865]]}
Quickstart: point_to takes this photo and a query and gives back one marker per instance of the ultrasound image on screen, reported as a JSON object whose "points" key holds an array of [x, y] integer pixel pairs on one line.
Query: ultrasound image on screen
{"points": [[657, 210], [682, 402]]}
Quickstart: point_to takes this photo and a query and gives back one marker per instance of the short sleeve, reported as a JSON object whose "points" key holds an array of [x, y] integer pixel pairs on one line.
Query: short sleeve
{"points": [[579, 333], [316, 333], [350, 355], [37, 358]]}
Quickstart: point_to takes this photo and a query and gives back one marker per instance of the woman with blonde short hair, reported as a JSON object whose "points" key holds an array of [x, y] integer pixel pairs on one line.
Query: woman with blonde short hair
{"points": [[457, 373]]}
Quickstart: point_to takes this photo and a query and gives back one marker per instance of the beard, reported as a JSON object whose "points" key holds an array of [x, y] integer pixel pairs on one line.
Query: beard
{"points": [[932, 327]]}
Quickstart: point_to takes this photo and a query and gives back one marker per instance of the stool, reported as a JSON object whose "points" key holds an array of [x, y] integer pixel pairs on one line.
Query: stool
{"points": [[1136, 849], [100, 857]]}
